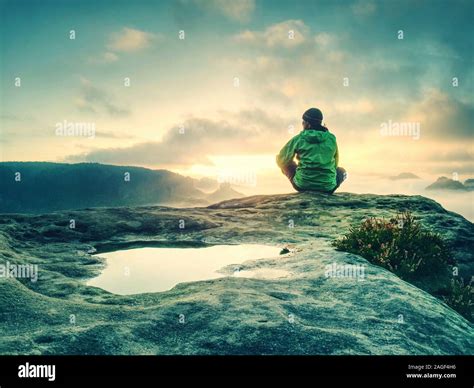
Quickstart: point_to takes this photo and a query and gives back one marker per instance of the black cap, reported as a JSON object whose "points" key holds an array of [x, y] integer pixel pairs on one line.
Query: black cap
{"points": [[313, 116]]}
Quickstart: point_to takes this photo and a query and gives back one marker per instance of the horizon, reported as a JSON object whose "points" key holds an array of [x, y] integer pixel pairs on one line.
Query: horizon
{"points": [[461, 202]]}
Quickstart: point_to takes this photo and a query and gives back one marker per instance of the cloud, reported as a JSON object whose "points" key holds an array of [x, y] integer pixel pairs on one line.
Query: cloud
{"points": [[237, 10], [455, 155], [147, 153], [113, 135], [14, 117], [309, 73], [312, 69], [359, 106], [95, 100], [364, 8], [105, 58], [324, 39], [24, 132], [288, 33], [443, 117], [126, 40], [129, 40], [248, 131]]}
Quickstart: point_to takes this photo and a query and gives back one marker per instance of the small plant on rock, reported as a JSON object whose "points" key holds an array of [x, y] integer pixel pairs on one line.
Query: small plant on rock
{"points": [[399, 244], [459, 298], [415, 254]]}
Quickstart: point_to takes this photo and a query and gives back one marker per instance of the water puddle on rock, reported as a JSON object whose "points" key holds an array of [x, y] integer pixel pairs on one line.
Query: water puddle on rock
{"points": [[134, 271]]}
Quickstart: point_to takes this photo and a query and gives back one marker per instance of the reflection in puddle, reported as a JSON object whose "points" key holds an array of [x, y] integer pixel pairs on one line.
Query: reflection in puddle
{"points": [[134, 271]]}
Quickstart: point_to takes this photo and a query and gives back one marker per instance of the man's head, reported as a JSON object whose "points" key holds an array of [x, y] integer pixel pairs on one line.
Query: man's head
{"points": [[312, 118]]}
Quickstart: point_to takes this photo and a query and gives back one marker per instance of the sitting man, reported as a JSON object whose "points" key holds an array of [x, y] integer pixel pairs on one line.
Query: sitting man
{"points": [[316, 151]]}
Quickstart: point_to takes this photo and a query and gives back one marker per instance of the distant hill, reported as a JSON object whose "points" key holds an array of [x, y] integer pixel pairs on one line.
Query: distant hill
{"points": [[404, 175], [45, 187], [443, 183], [223, 193], [206, 184], [469, 184]]}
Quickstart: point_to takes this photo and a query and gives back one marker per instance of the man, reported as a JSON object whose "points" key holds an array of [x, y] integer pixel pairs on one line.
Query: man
{"points": [[316, 151]]}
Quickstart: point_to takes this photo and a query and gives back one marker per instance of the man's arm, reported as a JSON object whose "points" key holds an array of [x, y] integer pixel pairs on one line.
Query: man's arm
{"points": [[287, 153], [336, 157]]}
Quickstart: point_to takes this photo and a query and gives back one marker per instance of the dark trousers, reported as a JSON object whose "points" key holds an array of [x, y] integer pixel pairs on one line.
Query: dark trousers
{"points": [[290, 170]]}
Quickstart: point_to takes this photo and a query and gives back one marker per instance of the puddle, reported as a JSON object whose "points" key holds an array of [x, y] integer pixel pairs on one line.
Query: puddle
{"points": [[134, 271]]}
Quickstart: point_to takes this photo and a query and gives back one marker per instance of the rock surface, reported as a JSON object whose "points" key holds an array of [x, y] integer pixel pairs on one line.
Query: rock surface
{"points": [[304, 313]]}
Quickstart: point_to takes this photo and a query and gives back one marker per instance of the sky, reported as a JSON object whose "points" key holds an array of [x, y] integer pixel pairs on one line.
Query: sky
{"points": [[216, 88]]}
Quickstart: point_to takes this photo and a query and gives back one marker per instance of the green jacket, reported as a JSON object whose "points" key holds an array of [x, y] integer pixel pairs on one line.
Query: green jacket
{"points": [[318, 158]]}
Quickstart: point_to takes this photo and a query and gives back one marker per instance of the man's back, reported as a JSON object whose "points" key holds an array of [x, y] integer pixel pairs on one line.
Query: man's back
{"points": [[317, 155]]}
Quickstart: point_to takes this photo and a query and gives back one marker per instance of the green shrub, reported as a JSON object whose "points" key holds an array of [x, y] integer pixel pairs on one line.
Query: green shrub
{"points": [[399, 244], [460, 298], [415, 254]]}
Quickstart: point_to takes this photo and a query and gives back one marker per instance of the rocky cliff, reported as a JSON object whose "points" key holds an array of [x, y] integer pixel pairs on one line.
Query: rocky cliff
{"points": [[306, 312]]}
